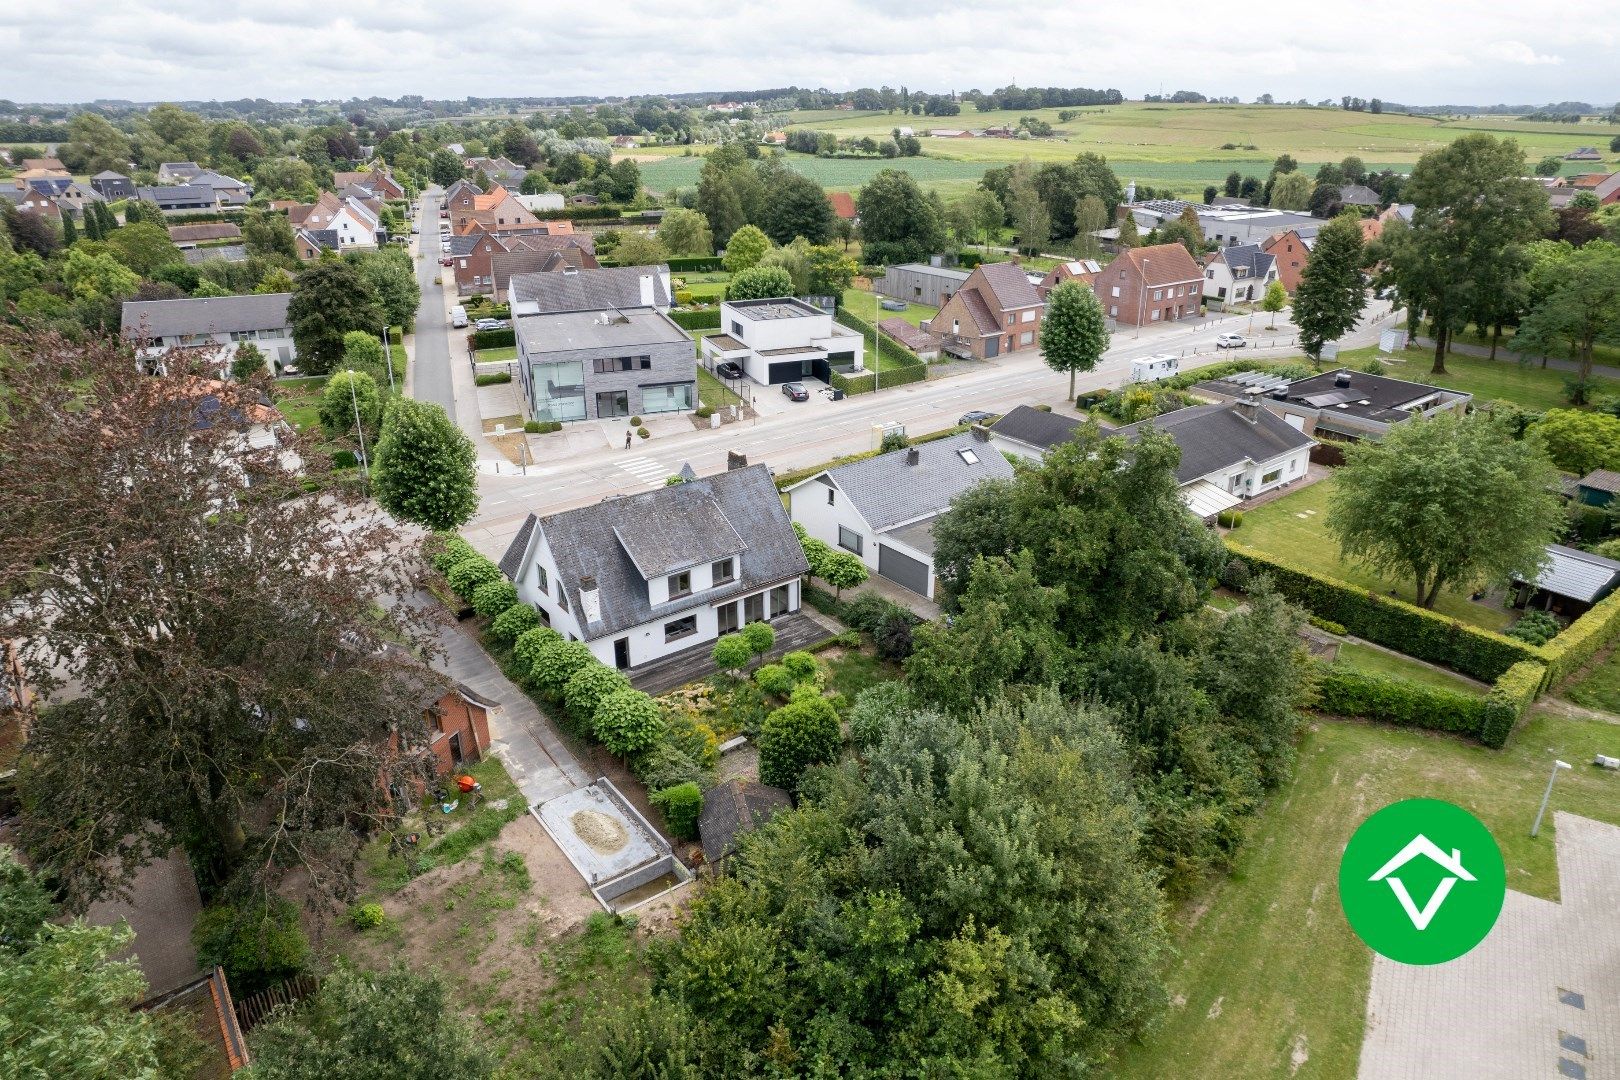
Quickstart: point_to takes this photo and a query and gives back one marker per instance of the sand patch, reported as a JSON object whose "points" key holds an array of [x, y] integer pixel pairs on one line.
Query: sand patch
{"points": [[602, 833]]}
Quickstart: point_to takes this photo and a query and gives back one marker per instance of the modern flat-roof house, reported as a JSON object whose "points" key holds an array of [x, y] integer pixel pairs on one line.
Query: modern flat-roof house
{"points": [[1339, 406], [1239, 274], [602, 289], [883, 508], [996, 311], [919, 283], [1229, 452], [216, 322], [1569, 583], [640, 577], [1148, 285], [589, 365], [782, 340], [1224, 225]]}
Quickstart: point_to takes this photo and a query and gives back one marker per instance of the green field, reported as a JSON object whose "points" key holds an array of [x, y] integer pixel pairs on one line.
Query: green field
{"points": [[1295, 528], [1175, 146], [300, 400], [1490, 380], [1598, 687], [1267, 967], [865, 304]]}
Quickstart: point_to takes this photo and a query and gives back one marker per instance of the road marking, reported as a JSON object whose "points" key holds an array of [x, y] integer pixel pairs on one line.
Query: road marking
{"points": [[648, 470]]}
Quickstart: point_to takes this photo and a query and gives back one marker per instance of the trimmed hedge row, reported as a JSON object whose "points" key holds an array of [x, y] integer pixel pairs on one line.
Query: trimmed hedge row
{"points": [[854, 384], [504, 338], [1347, 692], [706, 319], [1513, 693], [866, 382], [1570, 650], [886, 346], [580, 213], [695, 263], [1393, 623]]}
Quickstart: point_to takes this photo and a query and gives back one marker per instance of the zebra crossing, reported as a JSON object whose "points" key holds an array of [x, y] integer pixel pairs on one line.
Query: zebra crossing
{"points": [[648, 470]]}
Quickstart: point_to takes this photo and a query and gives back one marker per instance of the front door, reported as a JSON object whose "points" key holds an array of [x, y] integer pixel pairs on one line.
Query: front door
{"points": [[455, 747], [611, 403], [621, 653], [992, 347]]}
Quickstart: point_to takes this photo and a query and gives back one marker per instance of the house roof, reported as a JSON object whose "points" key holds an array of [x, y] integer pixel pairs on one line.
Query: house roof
{"points": [[843, 204], [1161, 264], [912, 337], [1591, 179], [945, 272], [206, 314], [589, 543], [1035, 427], [590, 290], [1359, 195], [1248, 257], [1601, 480], [624, 328], [208, 230], [1216, 437], [177, 193], [660, 544], [213, 179], [733, 808], [890, 491], [1009, 285], [1084, 269], [108, 174], [979, 311], [1578, 575], [1385, 398]]}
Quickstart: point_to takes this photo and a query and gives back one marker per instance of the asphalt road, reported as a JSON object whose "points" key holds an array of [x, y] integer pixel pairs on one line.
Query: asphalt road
{"points": [[431, 378]]}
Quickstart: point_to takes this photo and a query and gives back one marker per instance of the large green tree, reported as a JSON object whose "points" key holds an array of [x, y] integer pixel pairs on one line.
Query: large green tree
{"points": [[392, 281], [1074, 331], [1292, 191], [796, 205], [143, 247], [1578, 304], [425, 466], [745, 247], [1579, 441], [685, 232], [1447, 501], [899, 223], [730, 192], [329, 299], [1333, 288], [95, 146], [265, 232], [760, 282]]}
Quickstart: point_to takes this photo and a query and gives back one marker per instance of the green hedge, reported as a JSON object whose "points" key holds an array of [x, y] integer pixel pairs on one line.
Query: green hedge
{"points": [[1513, 693], [706, 319], [580, 213], [504, 338], [886, 346], [1392, 623], [967, 260], [1347, 692], [853, 384], [695, 263], [1570, 650], [493, 378]]}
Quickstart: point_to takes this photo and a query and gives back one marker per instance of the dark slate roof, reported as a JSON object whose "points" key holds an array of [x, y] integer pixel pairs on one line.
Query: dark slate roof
{"points": [[464, 244], [1359, 195], [228, 252], [587, 543], [889, 491], [1215, 437], [207, 314], [738, 806], [589, 290], [1384, 396], [108, 174], [1601, 480], [1249, 257], [661, 544], [174, 194], [1035, 427], [1579, 575], [1010, 285]]}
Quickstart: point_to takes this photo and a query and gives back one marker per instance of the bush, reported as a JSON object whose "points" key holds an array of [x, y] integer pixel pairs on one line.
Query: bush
{"points": [[635, 421], [1346, 692], [556, 663], [587, 687], [667, 765], [796, 736], [1327, 624], [345, 459], [475, 570], [494, 597], [527, 645], [703, 412], [1400, 626], [760, 637], [504, 338], [447, 549], [642, 432], [775, 680], [625, 721], [1569, 651], [542, 427], [1235, 575], [492, 378], [1536, 627], [681, 805], [514, 622], [707, 319], [366, 916], [874, 712], [1229, 519], [1512, 694], [893, 636], [258, 944], [801, 665], [731, 653]]}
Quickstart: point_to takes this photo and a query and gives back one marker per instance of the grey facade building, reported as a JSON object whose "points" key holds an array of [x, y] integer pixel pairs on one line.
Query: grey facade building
{"points": [[589, 365], [919, 283]]}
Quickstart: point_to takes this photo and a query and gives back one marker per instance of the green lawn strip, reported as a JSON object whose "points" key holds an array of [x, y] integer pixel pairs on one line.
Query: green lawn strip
{"points": [[712, 392], [1269, 943], [866, 305], [1599, 686], [1277, 528], [501, 355], [1602, 354], [1372, 661]]}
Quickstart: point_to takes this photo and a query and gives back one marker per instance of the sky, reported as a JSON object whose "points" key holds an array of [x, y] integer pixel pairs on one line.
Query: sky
{"points": [[1417, 52]]}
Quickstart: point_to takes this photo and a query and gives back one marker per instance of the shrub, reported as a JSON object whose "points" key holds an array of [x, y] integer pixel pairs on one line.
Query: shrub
{"points": [[1512, 694], [1346, 692], [635, 421], [796, 736], [775, 680], [1327, 624], [683, 297], [1235, 575], [514, 622], [492, 378], [258, 944], [542, 427], [760, 637], [447, 549], [527, 645], [465, 576], [1536, 627], [731, 653], [893, 636], [801, 665], [345, 459], [556, 663], [366, 916], [681, 805], [493, 597], [643, 433], [866, 611], [1229, 519], [586, 688], [692, 736], [666, 765], [504, 338], [625, 721], [1566, 653], [874, 712], [703, 412]]}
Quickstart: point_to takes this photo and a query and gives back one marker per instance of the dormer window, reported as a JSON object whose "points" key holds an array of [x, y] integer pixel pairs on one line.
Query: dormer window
{"points": [[680, 584], [724, 571]]}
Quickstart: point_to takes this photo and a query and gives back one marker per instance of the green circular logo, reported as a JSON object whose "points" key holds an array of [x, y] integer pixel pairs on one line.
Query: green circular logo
{"points": [[1422, 881]]}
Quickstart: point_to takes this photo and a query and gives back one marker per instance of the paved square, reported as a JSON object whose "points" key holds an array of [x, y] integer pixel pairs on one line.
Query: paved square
{"points": [[1539, 997]]}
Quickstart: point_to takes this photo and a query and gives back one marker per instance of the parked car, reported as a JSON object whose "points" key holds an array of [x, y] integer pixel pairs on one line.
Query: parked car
{"points": [[458, 316], [415, 229], [796, 391], [1230, 341], [975, 416], [728, 370], [491, 324], [447, 261], [892, 305], [444, 213]]}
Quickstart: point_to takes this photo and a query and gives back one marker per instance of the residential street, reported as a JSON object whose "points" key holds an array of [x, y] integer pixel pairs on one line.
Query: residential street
{"points": [[431, 373]]}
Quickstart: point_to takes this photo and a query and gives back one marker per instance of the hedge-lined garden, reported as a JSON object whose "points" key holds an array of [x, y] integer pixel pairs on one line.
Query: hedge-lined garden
{"points": [[706, 319]]}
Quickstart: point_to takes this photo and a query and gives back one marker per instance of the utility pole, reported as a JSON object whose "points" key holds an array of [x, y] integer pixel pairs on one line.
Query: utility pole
{"points": [[354, 400], [1546, 796], [1141, 304], [388, 359]]}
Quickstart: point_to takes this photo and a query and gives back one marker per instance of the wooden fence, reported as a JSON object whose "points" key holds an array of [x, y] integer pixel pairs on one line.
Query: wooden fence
{"points": [[252, 1010]]}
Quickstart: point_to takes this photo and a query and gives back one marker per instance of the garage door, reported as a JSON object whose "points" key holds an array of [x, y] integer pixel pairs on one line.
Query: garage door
{"points": [[785, 371], [903, 569]]}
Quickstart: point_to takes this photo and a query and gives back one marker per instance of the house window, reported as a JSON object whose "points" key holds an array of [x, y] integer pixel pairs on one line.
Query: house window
{"points": [[726, 618], [969, 456], [723, 571], [1156, 314], [1210, 274], [682, 627], [562, 596], [1113, 311], [1027, 337], [1271, 477], [736, 329], [645, 362], [613, 403], [1009, 320], [680, 584], [754, 608], [1028, 316], [1115, 290], [671, 397], [956, 326], [541, 579], [1158, 294], [607, 364], [832, 497], [849, 539], [779, 600]]}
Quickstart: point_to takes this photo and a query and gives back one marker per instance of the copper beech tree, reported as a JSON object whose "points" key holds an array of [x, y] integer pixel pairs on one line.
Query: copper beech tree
{"points": [[205, 614]]}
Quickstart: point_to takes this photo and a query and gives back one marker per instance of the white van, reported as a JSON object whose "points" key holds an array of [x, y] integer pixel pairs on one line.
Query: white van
{"points": [[1154, 368], [458, 316]]}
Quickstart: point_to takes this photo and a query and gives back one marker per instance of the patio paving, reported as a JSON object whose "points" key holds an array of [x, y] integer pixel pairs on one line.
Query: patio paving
{"points": [[1539, 997], [793, 631]]}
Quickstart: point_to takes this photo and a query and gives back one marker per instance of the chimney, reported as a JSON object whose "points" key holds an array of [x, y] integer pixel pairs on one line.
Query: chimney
{"points": [[1341, 379], [1249, 407], [647, 292], [913, 455], [735, 461], [980, 433], [590, 602]]}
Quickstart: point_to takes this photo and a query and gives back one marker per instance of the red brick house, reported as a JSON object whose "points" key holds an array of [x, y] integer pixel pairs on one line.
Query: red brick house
{"points": [[1605, 186], [843, 204], [1084, 271], [1292, 253], [473, 254], [496, 210], [1149, 285], [458, 728], [996, 311]]}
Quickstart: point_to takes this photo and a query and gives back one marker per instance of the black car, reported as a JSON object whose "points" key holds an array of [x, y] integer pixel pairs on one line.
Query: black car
{"points": [[728, 370], [796, 391], [975, 416]]}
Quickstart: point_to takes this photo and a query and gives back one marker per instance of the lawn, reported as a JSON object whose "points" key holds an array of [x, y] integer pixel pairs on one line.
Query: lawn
{"points": [[1267, 968], [1598, 687], [705, 288], [865, 304], [1294, 528], [1532, 386], [500, 355], [712, 392], [300, 400], [1373, 661]]}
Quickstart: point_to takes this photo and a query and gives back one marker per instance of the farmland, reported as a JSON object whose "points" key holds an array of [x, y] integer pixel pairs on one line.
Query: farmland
{"points": [[1176, 146]]}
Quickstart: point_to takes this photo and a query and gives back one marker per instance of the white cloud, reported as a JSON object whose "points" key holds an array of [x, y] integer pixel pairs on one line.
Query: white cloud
{"points": [[1414, 51]]}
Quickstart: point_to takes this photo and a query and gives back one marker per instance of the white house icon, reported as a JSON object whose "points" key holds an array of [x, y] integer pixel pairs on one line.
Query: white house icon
{"points": [[1422, 845]]}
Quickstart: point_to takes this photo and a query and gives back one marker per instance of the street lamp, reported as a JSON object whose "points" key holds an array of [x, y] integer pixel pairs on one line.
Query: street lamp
{"points": [[388, 359], [1547, 795], [1141, 304], [359, 431]]}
